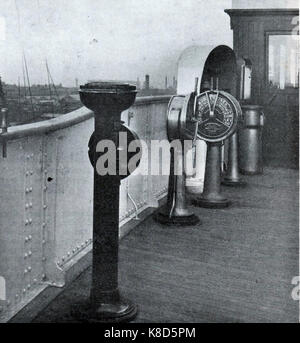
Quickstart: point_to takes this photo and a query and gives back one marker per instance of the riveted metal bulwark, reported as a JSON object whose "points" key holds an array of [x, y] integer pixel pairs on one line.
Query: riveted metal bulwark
{"points": [[28, 221], [73, 252], [147, 135], [44, 208], [132, 212], [161, 192]]}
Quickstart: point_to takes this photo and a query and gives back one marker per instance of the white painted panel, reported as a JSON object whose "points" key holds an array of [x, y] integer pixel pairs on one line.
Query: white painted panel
{"points": [[243, 4], [191, 65], [73, 187], [2, 288], [46, 185]]}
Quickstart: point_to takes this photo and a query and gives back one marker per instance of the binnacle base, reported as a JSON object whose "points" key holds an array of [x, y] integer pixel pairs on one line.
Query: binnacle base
{"points": [[122, 312]]}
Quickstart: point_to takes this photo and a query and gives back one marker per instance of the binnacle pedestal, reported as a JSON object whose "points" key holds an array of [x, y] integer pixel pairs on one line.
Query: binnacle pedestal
{"points": [[107, 100]]}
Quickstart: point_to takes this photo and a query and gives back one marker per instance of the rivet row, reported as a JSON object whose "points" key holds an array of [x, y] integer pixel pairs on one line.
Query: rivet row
{"points": [[74, 250], [29, 254], [28, 205], [28, 238]]}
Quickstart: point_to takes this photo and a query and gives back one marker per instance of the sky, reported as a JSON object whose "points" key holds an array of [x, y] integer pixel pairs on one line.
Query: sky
{"points": [[105, 39]]}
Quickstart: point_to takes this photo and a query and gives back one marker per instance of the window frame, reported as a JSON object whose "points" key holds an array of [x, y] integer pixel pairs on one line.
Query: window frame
{"points": [[267, 41]]}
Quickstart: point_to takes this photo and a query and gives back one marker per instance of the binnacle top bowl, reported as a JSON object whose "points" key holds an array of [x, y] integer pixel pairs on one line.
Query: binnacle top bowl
{"points": [[112, 96]]}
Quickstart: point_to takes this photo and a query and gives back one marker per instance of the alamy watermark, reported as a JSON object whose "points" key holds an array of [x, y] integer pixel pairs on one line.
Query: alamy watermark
{"points": [[125, 158]]}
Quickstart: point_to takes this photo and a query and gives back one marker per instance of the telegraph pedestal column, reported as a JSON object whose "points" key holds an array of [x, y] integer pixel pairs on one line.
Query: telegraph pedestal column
{"points": [[232, 175], [216, 115], [211, 196], [107, 101], [175, 211]]}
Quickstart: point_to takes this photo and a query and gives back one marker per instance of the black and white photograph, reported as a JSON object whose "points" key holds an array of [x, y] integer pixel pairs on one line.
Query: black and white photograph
{"points": [[149, 164]]}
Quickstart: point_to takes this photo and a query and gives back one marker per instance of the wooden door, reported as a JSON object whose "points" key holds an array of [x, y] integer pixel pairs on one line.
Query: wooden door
{"points": [[281, 129]]}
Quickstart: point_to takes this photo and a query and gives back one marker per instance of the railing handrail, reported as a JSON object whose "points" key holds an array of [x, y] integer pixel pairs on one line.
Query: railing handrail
{"points": [[67, 120], [145, 100]]}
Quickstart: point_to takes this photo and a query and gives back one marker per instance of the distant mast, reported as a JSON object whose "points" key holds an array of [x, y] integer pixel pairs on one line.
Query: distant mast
{"points": [[51, 82], [19, 93], [2, 95], [147, 82], [138, 83]]}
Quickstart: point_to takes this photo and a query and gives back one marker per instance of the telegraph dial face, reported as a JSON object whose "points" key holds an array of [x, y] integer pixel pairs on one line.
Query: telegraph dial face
{"points": [[217, 114]]}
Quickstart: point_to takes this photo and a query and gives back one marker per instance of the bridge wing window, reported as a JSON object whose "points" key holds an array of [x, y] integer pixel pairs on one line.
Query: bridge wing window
{"points": [[283, 52]]}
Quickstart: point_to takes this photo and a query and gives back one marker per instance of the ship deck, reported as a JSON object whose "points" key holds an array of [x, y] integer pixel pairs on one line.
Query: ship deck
{"points": [[237, 266]]}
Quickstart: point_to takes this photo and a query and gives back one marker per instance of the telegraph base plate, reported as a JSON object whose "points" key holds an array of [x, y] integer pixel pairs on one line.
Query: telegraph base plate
{"points": [[176, 220], [234, 183], [251, 173], [210, 203]]}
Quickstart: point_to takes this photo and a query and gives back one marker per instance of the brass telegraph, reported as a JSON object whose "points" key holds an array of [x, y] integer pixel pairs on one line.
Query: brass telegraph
{"points": [[176, 212]]}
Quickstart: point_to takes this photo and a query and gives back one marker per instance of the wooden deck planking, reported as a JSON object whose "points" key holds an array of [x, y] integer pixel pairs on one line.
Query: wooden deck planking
{"points": [[235, 267]]}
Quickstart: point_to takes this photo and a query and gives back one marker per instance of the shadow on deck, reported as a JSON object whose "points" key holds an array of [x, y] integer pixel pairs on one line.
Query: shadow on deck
{"points": [[236, 267]]}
